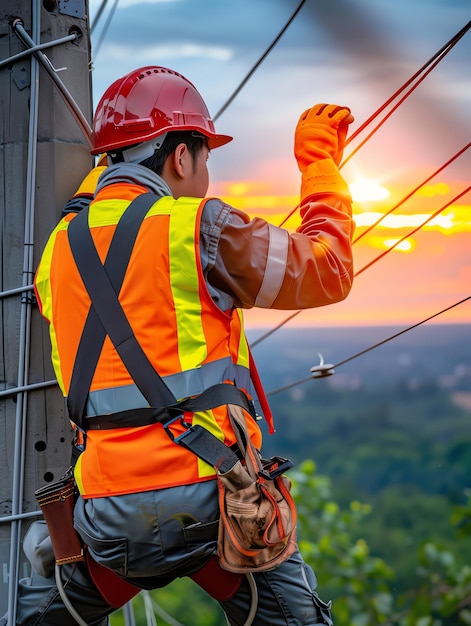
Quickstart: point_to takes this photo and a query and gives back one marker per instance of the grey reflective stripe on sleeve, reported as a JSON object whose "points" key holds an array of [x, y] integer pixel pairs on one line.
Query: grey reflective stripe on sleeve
{"points": [[275, 267]]}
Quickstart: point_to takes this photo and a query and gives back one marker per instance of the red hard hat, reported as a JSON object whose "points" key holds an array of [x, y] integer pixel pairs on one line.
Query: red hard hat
{"points": [[146, 103]]}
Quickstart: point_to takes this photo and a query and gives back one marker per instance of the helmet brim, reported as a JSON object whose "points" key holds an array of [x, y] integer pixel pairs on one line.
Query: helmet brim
{"points": [[216, 141]]}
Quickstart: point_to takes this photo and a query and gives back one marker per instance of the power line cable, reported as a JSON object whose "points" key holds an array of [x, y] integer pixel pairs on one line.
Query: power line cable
{"points": [[411, 193], [434, 60], [98, 15], [401, 202], [105, 29], [258, 63], [375, 260], [286, 218], [412, 232], [274, 329], [329, 369]]}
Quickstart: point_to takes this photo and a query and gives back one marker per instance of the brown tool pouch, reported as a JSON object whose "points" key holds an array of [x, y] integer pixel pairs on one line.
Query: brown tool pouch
{"points": [[57, 502], [258, 513]]}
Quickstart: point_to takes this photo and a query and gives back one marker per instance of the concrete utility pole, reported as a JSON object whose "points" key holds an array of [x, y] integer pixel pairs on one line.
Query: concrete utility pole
{"points": [[46, 110]]}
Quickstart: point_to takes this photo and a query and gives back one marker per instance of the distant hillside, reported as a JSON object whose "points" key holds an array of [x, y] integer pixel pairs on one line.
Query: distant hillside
{"points": [[429, 352], [407, 399]]}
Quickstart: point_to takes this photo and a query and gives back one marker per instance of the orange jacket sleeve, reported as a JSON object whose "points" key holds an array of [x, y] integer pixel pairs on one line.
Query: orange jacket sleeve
{"points": [[259, 264]]}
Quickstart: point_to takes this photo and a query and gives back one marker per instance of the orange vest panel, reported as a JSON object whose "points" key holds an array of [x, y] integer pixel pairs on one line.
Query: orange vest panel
{"points": [[174, 318]]}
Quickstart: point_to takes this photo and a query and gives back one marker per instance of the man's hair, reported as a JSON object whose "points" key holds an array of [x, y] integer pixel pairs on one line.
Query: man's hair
{"points": [[194, 141]]}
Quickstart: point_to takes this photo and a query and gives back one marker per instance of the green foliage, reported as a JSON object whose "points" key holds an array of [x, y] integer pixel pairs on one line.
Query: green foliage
{"points": [[361, 585], [404, 450], [357, 582]]}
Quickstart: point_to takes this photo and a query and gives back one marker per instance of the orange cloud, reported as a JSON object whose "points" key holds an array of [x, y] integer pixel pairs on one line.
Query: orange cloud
{"points": [[440, 189], [454, 219]]}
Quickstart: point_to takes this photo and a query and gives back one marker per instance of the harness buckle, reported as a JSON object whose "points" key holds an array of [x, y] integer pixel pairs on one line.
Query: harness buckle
{"points": [[274, 467], [181, 419]]}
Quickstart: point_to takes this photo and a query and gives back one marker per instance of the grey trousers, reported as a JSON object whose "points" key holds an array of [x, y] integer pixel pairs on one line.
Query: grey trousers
{"points": [[150, 539]]}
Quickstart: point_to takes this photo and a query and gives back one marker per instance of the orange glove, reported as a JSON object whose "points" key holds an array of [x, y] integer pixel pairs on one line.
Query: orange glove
{"points": [[318, 147]]}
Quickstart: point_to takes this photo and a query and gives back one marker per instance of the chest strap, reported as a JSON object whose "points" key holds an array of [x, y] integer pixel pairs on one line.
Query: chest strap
{"points": [[211, 398]]}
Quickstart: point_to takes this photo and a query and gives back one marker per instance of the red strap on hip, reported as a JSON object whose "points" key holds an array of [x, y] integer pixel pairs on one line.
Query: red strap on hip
{"points": [[217, 582], [262, 398], [113, 589]]}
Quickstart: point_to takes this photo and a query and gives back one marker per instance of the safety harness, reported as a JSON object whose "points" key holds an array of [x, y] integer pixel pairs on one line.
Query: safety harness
{"points": [[106, 317]]}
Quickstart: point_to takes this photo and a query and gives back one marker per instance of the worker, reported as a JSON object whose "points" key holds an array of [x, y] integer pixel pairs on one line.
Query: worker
{"points": [[148, 508]]}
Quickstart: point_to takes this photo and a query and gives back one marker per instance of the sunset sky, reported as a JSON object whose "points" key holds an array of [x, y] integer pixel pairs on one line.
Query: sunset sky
{"points": [[351, 52]]}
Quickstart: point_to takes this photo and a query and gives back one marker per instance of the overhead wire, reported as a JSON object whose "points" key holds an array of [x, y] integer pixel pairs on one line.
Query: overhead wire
{"points": [[258, 63], [105, 28], [98, 15], [412, 232], [425, 70], [375, 260], [402, 201], [370, 348], [433, 61], [411, 193]]}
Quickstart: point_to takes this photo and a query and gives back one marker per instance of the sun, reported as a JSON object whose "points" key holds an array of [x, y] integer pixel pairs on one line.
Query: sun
{"points": [[367, 190]]}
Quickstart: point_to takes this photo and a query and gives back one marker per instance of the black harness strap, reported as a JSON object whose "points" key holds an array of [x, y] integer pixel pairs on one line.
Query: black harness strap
{"points": [[208, 447], [216, 395], [106, 317], [93, 334], [103, 284]]}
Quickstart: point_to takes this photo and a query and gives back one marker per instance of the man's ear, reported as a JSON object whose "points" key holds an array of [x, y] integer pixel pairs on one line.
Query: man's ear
{"points": [[181, 158]]}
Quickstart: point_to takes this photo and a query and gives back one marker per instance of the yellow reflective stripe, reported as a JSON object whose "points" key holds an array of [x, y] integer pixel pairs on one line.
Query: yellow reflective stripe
{"points": [[78, 475], [109, 212], [163, 206], [207, 420], [42, 279], [106, 212], [43, 287], [185, 283], [243, 352]]}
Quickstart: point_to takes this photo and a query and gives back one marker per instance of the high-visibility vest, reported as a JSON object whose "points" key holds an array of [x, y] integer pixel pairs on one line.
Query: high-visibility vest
{"points": [[188, 339]]}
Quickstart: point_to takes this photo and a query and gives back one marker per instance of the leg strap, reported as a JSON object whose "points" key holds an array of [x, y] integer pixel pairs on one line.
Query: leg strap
{"points": [[218, 583], [113, 589]]}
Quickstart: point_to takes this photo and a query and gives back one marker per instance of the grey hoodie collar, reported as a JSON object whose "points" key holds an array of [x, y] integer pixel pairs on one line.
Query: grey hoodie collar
{"points": [[135, 174]]}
